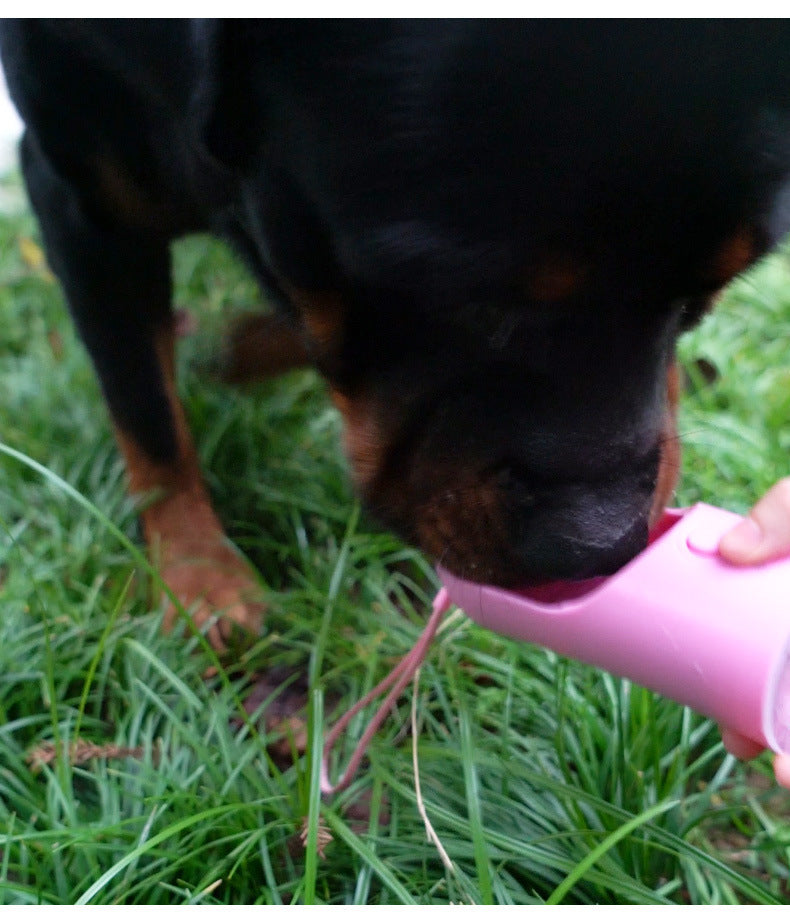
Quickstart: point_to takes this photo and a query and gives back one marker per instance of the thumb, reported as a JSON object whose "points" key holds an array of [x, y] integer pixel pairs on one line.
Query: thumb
{"points": [[764, 535]]}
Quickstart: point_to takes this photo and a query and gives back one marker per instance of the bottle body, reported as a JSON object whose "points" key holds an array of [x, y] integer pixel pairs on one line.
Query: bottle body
{"points": [[677, 619]]}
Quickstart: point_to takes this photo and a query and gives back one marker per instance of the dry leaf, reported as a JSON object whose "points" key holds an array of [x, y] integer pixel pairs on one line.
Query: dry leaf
{"points": [[80, 752], [323, 837], [34, 259]]}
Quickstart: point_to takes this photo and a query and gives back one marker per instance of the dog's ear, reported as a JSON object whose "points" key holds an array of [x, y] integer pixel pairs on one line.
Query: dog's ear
{"points": [[228, 106]]}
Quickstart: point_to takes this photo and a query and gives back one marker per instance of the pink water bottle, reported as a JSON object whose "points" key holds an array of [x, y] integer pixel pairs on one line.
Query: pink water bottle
{"points": [[677, 619]]}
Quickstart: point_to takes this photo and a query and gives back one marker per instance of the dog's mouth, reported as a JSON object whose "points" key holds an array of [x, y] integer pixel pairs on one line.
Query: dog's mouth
{"points": [[493, 529], [510, 521], [561, 590], [505, 525], [544, 558], [504, 528], [578, 533]]}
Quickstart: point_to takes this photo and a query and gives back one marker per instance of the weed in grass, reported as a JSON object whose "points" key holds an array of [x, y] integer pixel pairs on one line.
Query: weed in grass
{"points": [[545, 780]]}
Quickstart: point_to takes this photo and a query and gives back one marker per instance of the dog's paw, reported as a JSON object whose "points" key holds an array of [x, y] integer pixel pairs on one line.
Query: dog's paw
{"points": [[219, 590]]}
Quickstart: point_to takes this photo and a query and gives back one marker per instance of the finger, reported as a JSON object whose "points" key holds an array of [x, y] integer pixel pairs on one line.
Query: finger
{"points": [[764, 535], [738, 746], [782, 770]]}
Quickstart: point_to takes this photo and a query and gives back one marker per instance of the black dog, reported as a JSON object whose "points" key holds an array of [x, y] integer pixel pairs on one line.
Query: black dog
{"points": [[487, 236]]}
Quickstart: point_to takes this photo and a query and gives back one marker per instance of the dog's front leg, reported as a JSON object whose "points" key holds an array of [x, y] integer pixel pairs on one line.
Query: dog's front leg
{"points": [[117, 283]]}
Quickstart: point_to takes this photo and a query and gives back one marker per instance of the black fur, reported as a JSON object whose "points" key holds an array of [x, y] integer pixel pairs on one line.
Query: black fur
{"points": [[426, 172]]}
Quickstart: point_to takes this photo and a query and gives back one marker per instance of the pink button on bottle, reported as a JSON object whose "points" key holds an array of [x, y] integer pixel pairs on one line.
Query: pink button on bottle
{"points": [[677, 619]]}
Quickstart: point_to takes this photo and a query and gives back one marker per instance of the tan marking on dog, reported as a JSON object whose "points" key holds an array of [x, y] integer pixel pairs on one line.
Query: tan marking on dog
{"points": [[262, 347], [733, 257], [323, 315], [363, 438], [556, 278], [461, 525], [182, 530], [669, 463]]}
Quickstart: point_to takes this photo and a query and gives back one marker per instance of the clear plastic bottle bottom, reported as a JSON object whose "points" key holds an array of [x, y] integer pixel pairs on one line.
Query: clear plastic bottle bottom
{"points": [[781, 708]]}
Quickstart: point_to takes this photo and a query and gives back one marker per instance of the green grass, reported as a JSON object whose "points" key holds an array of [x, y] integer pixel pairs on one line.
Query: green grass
{"points": [[544, 780]]}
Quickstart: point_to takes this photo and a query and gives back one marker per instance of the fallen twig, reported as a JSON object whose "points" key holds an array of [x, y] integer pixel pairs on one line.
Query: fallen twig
{"points": [[80, 752]]}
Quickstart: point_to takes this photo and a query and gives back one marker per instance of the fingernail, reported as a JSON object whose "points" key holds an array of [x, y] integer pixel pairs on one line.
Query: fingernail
{"points": [[744, 539], [782, 770]]}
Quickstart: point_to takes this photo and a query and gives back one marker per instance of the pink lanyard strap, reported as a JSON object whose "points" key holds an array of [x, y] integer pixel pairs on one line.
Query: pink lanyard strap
{"points": [[397, 678]]}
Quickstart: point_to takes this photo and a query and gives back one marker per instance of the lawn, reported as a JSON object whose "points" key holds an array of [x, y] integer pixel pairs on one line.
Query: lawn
{"points": [[129, 772]]}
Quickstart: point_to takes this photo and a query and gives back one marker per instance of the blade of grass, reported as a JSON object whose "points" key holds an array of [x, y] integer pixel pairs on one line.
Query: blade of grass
{"points": [[319, 645], [341, 829], [164, 671], [315, 753], [482, 862], [606, 844], [170, 831], [91, 673]]}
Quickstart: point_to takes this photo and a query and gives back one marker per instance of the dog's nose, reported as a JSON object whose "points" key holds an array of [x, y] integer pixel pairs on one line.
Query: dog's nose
{"points": [[576, 554], [599, 559]]}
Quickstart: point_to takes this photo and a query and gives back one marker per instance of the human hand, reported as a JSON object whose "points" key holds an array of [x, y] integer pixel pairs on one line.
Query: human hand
{"points": [[761, 537]]}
